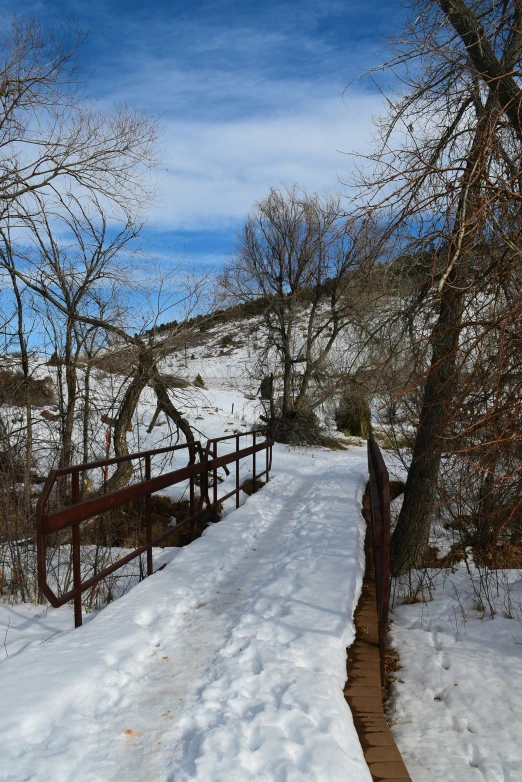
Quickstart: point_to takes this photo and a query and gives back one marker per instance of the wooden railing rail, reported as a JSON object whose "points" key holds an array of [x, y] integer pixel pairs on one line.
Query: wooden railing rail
{"points": [[201, 464], [380, 514]]}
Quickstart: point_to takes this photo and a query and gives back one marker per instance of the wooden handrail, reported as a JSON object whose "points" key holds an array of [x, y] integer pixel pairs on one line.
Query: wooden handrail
{"points": [[380, 514]]}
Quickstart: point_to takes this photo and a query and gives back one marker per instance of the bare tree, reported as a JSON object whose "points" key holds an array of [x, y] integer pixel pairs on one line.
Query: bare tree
{"points": [[144, 351], [447, 162], [75, 267], [305, 266], [52, 138]]}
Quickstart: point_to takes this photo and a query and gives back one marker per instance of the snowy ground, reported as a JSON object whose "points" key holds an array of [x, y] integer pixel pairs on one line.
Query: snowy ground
{"points": [[229, 664], [458, 698], [456, 705]]}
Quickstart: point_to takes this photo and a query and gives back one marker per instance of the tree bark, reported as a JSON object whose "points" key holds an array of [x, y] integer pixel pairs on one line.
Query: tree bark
{"points": [[165, 403], [411, 535], [410, 540]]}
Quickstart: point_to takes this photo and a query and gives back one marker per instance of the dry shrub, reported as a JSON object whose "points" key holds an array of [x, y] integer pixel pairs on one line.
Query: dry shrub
{"points": [[432, 558], [353, 414], [14, 390], [301, 428], [296, 428], [492, 534], [249, 488], [55, 360], [226, 341], [48, 416], [333, 443], [116, 362], [503, 555], [12, 468], [125, 527], [13, 523], [267, 388], [173, 381], [392, 440]]}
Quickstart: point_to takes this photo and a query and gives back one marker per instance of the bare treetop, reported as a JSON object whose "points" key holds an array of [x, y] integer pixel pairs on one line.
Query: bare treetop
{"points": [[51, 137]]}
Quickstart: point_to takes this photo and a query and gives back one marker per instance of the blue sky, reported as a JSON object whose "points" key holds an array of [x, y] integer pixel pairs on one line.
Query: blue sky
{"points": [[250, 95]]}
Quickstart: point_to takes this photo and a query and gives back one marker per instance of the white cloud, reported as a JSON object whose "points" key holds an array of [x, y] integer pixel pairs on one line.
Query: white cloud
{"points": [[250, 97], [217, 169]]}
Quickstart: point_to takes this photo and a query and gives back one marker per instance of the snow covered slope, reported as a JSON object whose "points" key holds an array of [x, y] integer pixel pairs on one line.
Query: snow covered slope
{"points": [[229, 664]]}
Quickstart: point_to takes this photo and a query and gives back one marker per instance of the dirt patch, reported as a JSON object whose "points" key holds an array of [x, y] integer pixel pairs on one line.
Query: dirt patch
{"points": [[249, 488]]}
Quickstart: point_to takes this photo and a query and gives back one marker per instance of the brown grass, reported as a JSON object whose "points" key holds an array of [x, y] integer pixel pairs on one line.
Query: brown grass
{"points": [[14, 391], [125, 527], [392, 665]]}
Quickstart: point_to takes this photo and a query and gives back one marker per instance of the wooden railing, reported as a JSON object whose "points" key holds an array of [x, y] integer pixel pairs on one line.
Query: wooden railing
{"points": [[380, 513]]}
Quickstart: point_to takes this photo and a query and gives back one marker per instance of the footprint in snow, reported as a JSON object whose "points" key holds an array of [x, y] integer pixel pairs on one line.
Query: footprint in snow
{"points": [[147, 617], [462, 724], [444, 661], [475, 758], [442, 697], [255, 740], [436, 641]]}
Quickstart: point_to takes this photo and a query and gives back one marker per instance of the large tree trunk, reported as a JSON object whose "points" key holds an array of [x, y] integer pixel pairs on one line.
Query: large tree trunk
{"points": [[411, 536], [410, 539], [147, 374]]}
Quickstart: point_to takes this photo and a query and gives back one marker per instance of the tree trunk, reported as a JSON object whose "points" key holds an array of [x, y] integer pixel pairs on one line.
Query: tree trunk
{"points": [[24, 355], [497, 74], [86, 411], [410, 539], [165, 403], [130, 401], [72, 392], [147, 374]]}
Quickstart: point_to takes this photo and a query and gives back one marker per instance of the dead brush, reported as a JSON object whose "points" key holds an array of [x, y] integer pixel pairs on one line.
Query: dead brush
{"points": [[505, 555], [392, 665], [432, 558], [126, 528], [17, 391]]}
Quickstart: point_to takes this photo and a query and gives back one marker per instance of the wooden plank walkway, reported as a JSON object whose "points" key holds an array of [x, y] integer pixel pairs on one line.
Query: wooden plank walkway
{"points": [[363, 688]]}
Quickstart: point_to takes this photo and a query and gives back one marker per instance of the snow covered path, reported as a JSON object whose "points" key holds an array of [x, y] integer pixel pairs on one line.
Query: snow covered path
{"points": [[227, 665]]}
